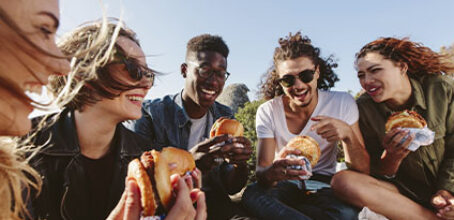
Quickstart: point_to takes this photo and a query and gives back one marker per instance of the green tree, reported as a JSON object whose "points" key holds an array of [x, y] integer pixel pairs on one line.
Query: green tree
{"points": [[246, 116]]}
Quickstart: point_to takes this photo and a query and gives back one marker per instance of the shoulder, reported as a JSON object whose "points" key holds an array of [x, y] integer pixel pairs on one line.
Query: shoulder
{"points": [[337, 97], [159, 104], [223, 110], [444, 82], [270, 104]]}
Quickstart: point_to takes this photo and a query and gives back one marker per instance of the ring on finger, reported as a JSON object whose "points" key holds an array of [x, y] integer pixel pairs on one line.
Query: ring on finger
{"points": [[284, 171]]}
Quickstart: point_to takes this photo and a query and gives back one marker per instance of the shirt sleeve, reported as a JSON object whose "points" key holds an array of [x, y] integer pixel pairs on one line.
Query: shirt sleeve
{"points": [[350, 109], [446, 172], [263, 122]]}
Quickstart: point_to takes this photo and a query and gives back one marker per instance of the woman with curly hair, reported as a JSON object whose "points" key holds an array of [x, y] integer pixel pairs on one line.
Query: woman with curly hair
{"points": [[398, 74], [299, 104]]}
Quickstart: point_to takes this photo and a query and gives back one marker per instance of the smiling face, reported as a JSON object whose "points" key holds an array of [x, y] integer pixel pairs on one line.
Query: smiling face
{"points": [[23, 64], [300, 94], [201, 91], [127, 106], [383, 79]]}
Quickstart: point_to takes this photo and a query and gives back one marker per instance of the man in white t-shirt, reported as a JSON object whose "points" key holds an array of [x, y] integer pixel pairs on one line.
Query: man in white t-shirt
{"points": [[299, 104]]}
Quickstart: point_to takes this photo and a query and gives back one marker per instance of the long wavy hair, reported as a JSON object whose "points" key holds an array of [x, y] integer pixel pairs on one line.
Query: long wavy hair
{"points": [[292, 47], [420, 60], [89, 79]]}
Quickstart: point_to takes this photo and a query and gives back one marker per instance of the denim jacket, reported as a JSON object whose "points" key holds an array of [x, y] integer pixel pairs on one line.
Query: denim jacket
{"points": [[165, 122]]}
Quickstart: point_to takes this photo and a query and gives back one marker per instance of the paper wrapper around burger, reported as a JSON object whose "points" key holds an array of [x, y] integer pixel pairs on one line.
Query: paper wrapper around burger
{"points": [[416, 126], [310, 153]]}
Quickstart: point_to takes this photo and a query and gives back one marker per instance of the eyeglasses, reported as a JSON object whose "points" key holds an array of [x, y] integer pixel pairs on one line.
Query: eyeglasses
{"points": [[135, 70], [207, 72], [305, 76]]}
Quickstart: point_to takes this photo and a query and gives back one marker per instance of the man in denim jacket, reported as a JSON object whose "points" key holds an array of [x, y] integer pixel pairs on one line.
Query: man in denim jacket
{"points": [[184, 120]]}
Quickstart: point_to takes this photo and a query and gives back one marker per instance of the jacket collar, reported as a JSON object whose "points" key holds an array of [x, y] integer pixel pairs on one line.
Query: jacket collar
{"points": [[417, 95], [64, 140]]}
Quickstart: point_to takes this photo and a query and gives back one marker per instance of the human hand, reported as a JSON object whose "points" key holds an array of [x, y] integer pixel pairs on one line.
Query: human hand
{"points": [[280, 169], [396, 143], [185, 196], [331, 129], [207, 151], [237, 150], [129, 207], [443, 201]]}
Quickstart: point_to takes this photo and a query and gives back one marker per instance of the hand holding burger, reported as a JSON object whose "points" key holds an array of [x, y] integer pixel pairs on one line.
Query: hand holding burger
{"points": [[226, 143], [152, 175]]}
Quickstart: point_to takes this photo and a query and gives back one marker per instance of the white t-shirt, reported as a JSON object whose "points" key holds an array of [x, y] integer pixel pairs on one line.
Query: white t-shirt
{"points": [[198, 129], [270, 123]]}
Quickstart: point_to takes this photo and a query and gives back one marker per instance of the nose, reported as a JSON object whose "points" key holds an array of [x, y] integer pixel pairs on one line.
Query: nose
{"points": [[58, 65], [299, 84], [368, 78], [146, 82]]}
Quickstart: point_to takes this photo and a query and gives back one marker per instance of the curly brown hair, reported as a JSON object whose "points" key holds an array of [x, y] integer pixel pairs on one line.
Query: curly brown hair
{"points": [[420, 60], [292, 47]]}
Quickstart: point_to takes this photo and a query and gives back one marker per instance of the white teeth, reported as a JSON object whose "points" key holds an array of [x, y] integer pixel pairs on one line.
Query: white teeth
{"points": [[135, 98], [211, 92], [372, 90], [302, 93]]}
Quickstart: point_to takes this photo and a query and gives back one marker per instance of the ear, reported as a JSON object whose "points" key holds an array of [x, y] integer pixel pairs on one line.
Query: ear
{"points": [[317, 72], [183, 69], [403, 67]]}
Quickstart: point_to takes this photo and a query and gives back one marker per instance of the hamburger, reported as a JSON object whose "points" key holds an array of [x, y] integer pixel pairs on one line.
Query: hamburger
{"points": [[405, 119], [308, 146], [152, 174], [226, 126]]}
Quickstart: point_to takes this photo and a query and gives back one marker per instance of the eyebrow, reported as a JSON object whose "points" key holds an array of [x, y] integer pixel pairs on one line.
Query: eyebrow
{"points": [[371, 67], [56, 21]]}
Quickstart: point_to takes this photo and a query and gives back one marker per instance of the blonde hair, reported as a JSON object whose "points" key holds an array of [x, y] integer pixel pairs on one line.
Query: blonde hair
{"points": [[16, 175]]}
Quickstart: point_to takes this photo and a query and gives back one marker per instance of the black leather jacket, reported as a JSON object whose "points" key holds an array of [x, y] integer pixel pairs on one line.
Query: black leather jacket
{"points": [[64, 194]]}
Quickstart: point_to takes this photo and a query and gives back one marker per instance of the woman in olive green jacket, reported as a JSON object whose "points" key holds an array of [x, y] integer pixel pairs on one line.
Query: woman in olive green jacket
{"points": [[399, 74]]}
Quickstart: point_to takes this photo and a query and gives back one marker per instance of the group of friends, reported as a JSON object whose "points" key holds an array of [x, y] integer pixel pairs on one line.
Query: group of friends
{"points": [[73, 164]]}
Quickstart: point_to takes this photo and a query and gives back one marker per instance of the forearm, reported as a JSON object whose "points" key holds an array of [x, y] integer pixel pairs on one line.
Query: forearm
{"points": [[356, 155], [263, 177]]}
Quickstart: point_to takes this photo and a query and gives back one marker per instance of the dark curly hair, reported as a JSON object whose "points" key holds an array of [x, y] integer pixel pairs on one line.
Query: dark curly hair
{"points": [[292, 47], [420, 60], [207, 42]]}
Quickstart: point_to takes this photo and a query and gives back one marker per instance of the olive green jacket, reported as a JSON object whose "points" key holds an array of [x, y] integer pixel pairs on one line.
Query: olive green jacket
{"points": [[430, 168]]}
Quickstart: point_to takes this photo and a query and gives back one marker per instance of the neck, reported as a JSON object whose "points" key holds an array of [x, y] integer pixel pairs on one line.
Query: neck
{"points": [[192, 109], [95, 131], [401, 98], [303, 111]]}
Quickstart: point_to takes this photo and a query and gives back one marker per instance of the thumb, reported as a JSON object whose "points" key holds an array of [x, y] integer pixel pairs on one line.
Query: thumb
{"points": [[132, 205], [438, 201]]}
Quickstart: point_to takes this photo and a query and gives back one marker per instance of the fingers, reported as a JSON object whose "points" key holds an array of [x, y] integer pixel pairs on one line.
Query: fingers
{"points": [[197, 178], [286, 151], [118, 211], [205, 146], [446, 212], [132, 205], [201, 212], [438, 202]]}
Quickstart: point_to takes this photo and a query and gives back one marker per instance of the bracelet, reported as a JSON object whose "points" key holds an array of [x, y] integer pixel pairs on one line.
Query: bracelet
{"points": [[390, 176]]}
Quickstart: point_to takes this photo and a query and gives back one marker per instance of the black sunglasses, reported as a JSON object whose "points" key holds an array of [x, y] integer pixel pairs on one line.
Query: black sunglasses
{"points": [[135, 70], [305, 76]]}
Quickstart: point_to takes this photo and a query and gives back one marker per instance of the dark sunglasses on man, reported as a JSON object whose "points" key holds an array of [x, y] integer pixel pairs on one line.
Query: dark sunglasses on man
{"points": [[305, 76]]}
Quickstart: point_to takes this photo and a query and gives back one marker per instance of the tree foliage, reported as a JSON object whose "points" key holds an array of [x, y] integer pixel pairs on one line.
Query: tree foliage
{"points": [[246, 116]]}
